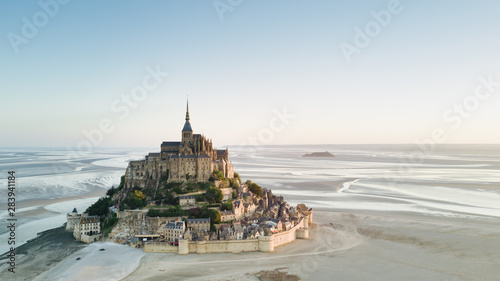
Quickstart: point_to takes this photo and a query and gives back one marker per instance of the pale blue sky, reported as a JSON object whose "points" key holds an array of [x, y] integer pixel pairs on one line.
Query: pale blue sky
{"points": [[263, 56]]}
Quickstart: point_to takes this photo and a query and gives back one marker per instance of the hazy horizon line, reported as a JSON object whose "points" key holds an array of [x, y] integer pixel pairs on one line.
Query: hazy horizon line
{"points": [[261, 145]]}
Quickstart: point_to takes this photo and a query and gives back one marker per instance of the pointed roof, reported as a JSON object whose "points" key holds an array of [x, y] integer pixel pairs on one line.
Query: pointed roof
{"points": [[187, 125], [74, 210]]}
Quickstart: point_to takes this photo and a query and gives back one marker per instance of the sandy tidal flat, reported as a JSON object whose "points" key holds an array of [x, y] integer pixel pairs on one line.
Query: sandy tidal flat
{"points": [[115, 262], [343, 246], [347, 246], [438, 221]]}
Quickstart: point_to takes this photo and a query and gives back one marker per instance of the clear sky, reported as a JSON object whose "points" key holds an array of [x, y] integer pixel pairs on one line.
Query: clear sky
{"points": [[344, 71]]}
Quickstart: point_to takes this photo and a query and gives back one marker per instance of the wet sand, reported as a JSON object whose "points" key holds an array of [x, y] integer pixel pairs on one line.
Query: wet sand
{"points": [[348, 246], [439, 222], [344, 246], [41, 254]]}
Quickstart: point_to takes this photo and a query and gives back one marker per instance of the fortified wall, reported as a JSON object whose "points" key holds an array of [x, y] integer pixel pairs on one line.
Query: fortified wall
{"points": [[262, 244]]}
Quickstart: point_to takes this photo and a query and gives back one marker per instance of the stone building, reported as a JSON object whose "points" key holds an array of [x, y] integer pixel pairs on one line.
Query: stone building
{"points": [[72, 218], [238, 209], [192, 158], [187, 201], [227, 216], [87, 229], [227, 193], [199, 224], [174, 231]]}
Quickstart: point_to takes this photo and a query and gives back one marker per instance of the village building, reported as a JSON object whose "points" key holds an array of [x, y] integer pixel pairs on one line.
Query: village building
{"points": [[279, 224], [188, 235], [255, 228], [227, 216], [238, 209], [239, 232], [187, 201], [174, 231], [249, 208], [199, 224], [243, 188], [87, 229]]}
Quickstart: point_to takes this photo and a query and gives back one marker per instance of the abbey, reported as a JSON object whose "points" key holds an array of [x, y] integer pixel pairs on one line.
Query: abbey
{"points": [[192, 158]]}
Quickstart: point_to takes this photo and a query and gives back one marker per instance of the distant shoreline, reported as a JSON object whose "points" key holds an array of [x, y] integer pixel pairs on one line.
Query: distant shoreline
{"points": [[324, 154]]}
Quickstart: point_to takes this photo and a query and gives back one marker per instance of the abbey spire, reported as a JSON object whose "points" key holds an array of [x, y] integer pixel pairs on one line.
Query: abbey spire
{"points": [[187, 110], [187, 131]]}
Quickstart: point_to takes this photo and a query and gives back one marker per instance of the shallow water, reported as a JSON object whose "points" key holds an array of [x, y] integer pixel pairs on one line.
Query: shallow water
{"points": [[441, 207], [453, 181], [50, 182]]}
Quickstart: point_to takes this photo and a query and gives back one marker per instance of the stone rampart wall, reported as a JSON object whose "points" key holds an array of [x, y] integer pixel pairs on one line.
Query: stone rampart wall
{"points": [[159, 247], [263, 243]]}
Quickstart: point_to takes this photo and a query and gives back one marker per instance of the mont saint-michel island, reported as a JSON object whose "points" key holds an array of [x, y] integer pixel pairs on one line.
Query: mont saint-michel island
{"points": [[187, 198]]}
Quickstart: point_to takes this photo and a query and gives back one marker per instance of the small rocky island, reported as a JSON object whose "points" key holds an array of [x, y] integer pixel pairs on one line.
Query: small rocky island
{"points": [[319, 154], [188, 199]]}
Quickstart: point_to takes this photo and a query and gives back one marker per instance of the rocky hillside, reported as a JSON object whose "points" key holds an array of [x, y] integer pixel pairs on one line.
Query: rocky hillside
{"points": [[133, 223]]}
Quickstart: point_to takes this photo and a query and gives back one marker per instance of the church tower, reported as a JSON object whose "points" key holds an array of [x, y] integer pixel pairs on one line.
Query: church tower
{"points": [[187, 131]]}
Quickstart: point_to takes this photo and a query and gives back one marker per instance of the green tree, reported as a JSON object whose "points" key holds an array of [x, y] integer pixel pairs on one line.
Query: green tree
{"points": [[203, 212], [153, 213], [217, 176], [214, 195], [224, 184], [138, 195], [171, 185], [200, 197], [164, 178], [169, 199], [204, 185], [227, 206], [124, 205], [108, 224], [178, 190], [233, 183], [111, 191], [99, 208], [149, 192], [191, 186], [256, 189], [194, 212], [173, 212], [214, 215], [122, 183], [136, 199], [237, 176]]}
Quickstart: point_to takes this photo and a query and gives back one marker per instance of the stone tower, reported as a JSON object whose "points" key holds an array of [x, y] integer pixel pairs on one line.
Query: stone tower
{"points": [[72, 218], [187, 131]]}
